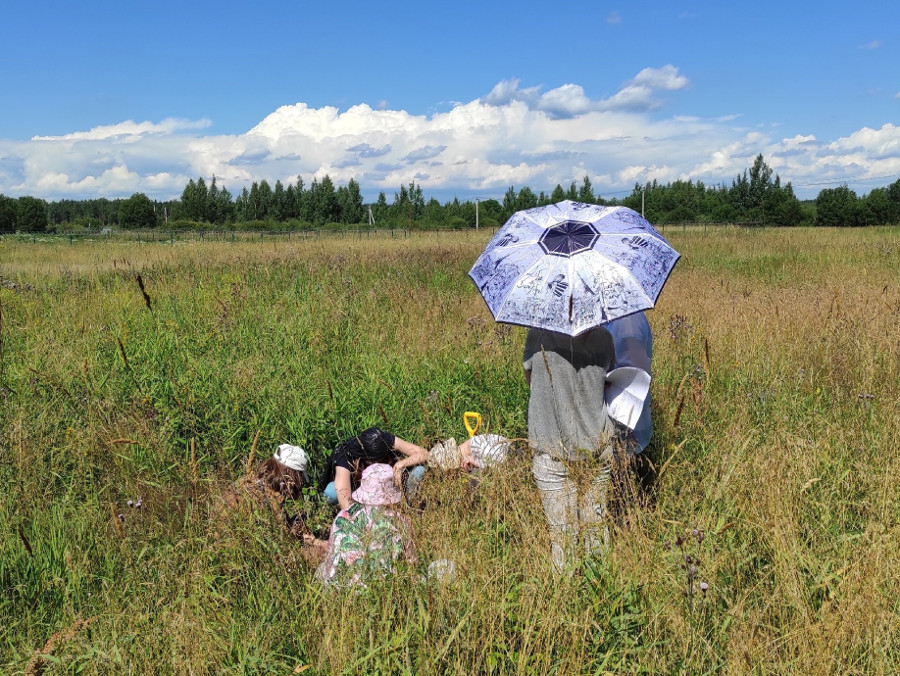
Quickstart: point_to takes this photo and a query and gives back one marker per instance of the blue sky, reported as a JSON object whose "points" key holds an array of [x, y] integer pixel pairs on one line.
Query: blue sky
{"points": [[105, 99]]}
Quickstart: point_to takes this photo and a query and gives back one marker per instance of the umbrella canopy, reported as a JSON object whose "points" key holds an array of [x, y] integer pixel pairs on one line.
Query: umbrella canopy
{"points": [[569, 267]]}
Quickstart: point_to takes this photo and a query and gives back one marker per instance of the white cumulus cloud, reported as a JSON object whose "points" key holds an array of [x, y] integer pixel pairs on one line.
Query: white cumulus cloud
{"points": [[513, 136]]}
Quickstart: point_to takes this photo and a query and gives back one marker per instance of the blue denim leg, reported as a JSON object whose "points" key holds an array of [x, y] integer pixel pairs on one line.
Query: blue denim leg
{"points": [[330, 494], [416, 474]]}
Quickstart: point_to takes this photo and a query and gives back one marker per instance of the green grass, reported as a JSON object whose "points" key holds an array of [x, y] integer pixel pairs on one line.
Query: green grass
{"points": [[775, 407]]}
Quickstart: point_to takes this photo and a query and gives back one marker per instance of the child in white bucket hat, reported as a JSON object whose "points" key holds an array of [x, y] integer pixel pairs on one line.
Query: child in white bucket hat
{"points": [[279, 478]]}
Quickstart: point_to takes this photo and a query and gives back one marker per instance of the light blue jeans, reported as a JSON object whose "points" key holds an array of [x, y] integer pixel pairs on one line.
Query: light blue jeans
{"points": [[413, 479], [575, 505]]}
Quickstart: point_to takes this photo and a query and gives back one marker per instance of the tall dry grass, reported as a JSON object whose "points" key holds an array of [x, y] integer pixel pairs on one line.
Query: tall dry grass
{"points": [[775, 397]]}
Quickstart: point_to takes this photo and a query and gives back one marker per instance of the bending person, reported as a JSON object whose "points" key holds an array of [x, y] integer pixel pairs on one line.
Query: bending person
{"points": [[369, 447]]}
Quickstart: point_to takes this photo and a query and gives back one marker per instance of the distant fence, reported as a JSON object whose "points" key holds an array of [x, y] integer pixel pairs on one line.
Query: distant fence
{"points": [[173, 236]]}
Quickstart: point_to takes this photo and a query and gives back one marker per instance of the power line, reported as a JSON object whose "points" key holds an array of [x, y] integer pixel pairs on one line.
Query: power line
{"points": [[858, 179]]}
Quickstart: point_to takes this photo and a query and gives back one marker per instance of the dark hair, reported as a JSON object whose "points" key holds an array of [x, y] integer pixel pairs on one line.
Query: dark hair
{"points": [[281, 478]]}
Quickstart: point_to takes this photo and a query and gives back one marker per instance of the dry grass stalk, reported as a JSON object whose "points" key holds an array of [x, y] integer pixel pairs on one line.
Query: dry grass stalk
{"points": [[38, 663], [195, 473], [117, 522], [679, 398], [25, 542], [252, 457], [144, 293]]}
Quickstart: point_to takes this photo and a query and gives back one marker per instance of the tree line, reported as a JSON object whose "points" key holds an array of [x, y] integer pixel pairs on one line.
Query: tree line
{"points": [[755, 197]]}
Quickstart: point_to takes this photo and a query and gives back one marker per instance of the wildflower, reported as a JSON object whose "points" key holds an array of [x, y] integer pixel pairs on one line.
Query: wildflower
{"points": [[703, 587], [122, 518], [139, 503], [700, 536], [130, 503]]}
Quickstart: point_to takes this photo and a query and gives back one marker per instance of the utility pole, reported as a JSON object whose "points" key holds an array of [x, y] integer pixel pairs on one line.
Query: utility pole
{"points": [[371, 217], [642, 201], [476, 213]]}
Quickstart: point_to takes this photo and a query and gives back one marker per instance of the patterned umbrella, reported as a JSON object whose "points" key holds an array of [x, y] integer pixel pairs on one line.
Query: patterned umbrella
{"points": [[569, 267]]}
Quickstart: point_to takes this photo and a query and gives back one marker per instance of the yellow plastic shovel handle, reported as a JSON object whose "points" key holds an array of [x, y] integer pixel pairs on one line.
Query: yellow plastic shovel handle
{"points": [[469, 415]]}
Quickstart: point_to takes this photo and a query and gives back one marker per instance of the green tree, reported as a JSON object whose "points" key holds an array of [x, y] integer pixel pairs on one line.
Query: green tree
{"points": [[31, 214], [323, 201], [490, 211], [467, 213], [350, 203], [875, 208], [242, 206], [137, 212], [195, 201], [219, 208], [759, 188], [279, 202], [264, 194], [783, 207], [509, 202], [224, 207], [435, 214], [586, 192], [892, 192], [836, 207], [739, 195], [526, 199], [8, 211], [300, 197], [254, 203], [381, 210]]}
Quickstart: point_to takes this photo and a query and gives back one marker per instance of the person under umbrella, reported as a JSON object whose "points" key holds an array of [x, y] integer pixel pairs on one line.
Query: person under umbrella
{"points": [[564, 271], [571, 434]]}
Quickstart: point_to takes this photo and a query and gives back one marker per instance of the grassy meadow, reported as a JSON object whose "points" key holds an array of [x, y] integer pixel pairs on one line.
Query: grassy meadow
{"points": [[161, 372]]}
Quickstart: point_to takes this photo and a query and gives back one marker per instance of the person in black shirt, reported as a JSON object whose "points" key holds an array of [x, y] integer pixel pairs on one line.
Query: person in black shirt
{"points": [[368, 447]]}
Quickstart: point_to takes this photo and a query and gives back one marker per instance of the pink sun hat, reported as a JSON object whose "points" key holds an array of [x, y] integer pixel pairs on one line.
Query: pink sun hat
{"points": [[377, 486]]}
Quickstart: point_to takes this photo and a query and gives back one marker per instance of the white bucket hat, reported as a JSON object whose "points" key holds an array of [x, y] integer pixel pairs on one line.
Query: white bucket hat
{"points": [[293, 457]]}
